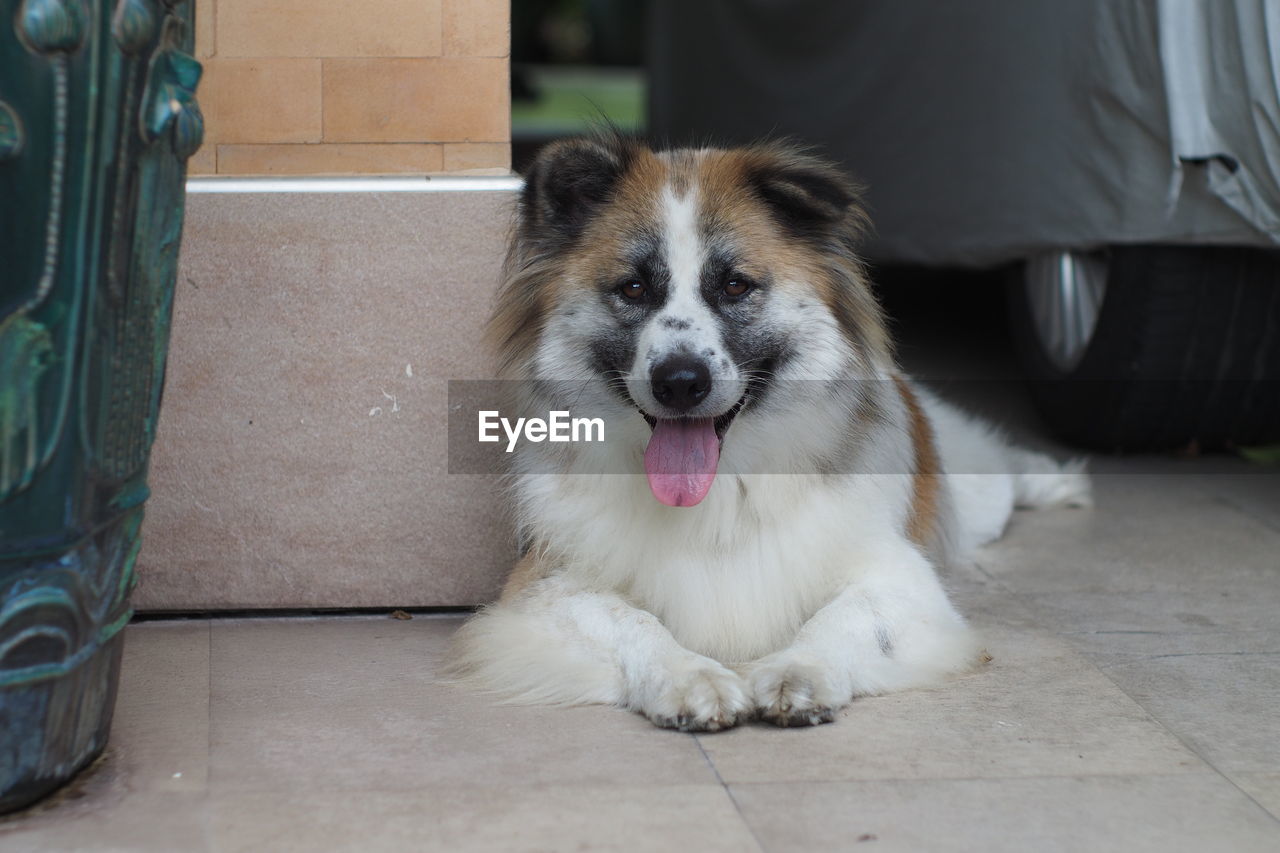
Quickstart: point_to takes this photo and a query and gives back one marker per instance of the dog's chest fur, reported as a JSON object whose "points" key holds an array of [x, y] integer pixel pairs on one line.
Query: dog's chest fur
{"points": [[737, 579]]}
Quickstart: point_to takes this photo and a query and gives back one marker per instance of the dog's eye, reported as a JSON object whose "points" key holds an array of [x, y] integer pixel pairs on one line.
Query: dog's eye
{"points": [[737, 286], [633, 290]]}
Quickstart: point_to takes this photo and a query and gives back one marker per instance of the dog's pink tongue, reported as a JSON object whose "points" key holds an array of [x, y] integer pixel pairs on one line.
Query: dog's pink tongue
{"points": [[681, 460]]}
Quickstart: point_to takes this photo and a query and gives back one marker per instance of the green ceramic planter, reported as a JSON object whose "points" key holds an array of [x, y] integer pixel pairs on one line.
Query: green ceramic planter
{"points": [[97, 119]]}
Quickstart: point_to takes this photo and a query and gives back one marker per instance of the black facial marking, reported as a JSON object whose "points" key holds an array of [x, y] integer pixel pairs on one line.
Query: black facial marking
{"points": [[611, 353], [805, 195], [759, 353], [613, 346], [643, 249], [722, 267], [679, 325]]}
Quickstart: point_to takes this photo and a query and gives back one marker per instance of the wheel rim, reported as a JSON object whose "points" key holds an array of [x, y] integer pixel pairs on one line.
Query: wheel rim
{"points": [[1065, 290]]}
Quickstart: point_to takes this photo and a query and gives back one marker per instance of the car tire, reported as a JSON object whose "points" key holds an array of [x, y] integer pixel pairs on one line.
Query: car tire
{"points": [[1182, 351]]}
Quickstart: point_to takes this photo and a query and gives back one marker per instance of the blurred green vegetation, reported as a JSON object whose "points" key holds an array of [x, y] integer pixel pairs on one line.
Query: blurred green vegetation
{"points": [[573, 98], [1267, 455]]}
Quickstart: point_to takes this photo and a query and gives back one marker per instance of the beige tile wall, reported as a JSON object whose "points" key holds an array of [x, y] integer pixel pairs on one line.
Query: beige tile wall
{"points": [[353, 86]]}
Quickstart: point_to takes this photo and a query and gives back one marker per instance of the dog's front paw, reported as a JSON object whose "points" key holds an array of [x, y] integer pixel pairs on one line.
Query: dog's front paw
{"points": [[697, 695], [788, 691]]}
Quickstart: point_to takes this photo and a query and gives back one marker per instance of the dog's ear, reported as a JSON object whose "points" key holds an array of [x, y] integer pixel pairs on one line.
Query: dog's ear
{"points": [[805, 193], [570, 179]]}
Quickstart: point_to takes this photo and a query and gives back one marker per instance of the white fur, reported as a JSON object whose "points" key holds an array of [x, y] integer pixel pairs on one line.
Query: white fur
{"points": [[780, 595], [988, 478], [774, 604]]}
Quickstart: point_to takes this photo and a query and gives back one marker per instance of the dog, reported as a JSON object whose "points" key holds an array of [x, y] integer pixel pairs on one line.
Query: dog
{"points": [[761, 535]]}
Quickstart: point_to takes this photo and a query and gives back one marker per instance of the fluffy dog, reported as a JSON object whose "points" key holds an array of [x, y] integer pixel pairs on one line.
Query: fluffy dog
{"points": [[759, 536]]}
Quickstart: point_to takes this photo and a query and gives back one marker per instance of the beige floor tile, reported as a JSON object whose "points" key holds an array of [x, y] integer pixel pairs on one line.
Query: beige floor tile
{"points": [[1037, 709], [1147, 534], [1241, 607], [1192, 812], [1218, 697], [160, 731], [147, 790], [349, 704], [1157, 553], [461, 819], [1179, 611], [1256, 491], [988, 605], [1263, 787], [1109, 648], [107, 821]]}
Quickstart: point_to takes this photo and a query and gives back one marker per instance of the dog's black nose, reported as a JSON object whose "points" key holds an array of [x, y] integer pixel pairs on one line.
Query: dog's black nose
{"points": [[681, 382]]}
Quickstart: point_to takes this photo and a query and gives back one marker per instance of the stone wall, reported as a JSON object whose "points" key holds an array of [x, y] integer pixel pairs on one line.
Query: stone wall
{"points": [[311, 87]]}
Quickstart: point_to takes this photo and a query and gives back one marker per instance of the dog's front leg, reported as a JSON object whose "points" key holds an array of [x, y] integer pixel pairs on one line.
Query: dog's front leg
{"points": [[555, 641], [890, 628]]}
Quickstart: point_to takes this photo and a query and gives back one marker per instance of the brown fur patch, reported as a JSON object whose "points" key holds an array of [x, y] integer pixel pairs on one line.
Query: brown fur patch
{"points": [[926, 492], [827, 264]]}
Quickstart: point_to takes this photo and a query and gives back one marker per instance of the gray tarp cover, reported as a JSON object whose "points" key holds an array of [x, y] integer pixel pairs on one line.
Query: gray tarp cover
{"points": [[986, 130]]}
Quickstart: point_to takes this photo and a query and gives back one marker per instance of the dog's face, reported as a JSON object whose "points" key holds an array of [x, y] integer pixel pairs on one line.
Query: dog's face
{"points": [[688, 283]]}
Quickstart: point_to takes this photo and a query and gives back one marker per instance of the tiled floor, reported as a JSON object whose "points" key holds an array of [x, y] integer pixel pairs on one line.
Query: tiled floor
{"points": [[1130, 705]]}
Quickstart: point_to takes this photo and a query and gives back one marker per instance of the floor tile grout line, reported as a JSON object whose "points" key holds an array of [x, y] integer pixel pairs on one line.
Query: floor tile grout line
{"points": [[1000, 583], [1179, 738], [1032, 608], [1215, 768], [1207, 770], [1029, 601], [1225, 499], [1148, 658], [208, 718], [1207, 766], [715, 771], [575, 784], [1019, 598], [1265, 521], [1205, 773]]}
